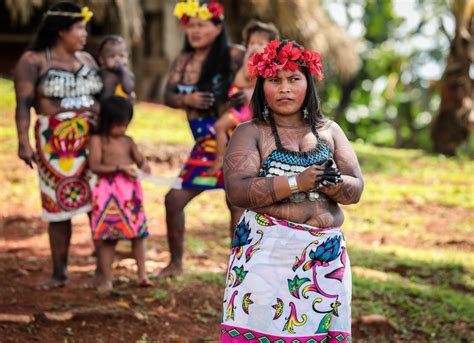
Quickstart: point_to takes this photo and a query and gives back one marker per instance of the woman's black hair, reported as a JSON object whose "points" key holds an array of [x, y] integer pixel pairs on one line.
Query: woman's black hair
{"points": [[310, 103], [51, 25], [216, 71], [114, 110]]}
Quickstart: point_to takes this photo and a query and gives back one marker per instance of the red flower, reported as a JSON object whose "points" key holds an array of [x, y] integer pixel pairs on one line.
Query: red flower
{"points": [[313, 62], [185, 20], [253, 63], [288, 57], [216, 9], [271, 48], [267, 70]]}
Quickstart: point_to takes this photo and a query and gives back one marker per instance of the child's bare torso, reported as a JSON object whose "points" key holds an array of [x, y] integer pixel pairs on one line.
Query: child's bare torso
{"points": [[117, 150]]}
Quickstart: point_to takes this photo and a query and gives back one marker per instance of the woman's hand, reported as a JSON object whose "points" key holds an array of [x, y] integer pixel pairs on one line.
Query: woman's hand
{"points": [[27, 154], [199, 100], [331, 176], [307, 179]]}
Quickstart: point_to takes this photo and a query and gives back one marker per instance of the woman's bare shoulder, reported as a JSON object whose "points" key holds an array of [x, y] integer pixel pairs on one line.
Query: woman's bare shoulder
{"points": [[86, 58], [249, 126], [30, 57]]}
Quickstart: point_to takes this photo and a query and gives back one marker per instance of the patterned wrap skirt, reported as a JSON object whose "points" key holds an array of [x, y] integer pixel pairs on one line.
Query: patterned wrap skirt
{"points": [[65, 180], [117, 209], [286, 282], [195, 172]]}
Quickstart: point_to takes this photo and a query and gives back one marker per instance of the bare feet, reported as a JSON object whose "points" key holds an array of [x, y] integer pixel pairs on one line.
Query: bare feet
{"points": [[145, 282], [171, 269], [51, 284], [105, 287]]}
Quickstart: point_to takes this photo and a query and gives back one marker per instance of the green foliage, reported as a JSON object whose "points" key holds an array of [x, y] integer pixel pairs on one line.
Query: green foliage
{"points": [[393, 98]]}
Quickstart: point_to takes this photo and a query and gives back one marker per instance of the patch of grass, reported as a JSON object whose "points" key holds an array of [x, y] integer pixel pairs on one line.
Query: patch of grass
{"points": [[160, 125], [433, 312], [441, 269], [217, 279], [159, 294]]}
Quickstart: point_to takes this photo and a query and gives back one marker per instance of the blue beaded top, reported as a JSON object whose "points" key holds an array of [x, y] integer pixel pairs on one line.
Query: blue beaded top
{"points": [[282, 161]]}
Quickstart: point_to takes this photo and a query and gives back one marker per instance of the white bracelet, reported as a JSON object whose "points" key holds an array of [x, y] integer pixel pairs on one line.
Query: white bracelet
{"points": [[293, 184]]}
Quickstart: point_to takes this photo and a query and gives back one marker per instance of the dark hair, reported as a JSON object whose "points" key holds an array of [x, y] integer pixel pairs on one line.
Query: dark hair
{"points": [[110, 39], [51, 25], [113, 110], [216, 71], [311, 101], [257, 26]]}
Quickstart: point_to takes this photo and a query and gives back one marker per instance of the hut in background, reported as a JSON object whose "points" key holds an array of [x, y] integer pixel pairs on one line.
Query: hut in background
{"points": [[154, 37]]}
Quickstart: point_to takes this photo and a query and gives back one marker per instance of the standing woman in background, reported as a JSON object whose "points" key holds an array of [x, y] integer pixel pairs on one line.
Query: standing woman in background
{"points": [[198, 82], [61, 82]]}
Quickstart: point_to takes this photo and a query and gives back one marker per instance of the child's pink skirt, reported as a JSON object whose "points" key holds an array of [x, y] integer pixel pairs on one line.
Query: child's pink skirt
{"points": [[117, 209]]}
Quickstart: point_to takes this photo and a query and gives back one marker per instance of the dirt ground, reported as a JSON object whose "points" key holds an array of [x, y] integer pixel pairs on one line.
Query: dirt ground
{"points": [[186, 309]]}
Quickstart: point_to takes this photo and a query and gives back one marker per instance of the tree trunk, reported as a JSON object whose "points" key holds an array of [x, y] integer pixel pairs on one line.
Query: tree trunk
{"points": [[455, 120]]}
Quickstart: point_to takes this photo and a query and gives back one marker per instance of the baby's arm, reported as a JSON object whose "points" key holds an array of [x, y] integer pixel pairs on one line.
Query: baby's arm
{"points": [[128, 79], [110, 80]]}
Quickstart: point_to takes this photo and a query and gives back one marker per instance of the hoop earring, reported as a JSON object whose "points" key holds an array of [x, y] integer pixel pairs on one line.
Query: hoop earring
{"points": [[266, 113], [305, 113]]}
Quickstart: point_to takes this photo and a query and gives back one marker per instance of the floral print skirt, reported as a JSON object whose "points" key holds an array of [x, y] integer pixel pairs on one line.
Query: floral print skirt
{"points": [[286, 282], [64, 177]]}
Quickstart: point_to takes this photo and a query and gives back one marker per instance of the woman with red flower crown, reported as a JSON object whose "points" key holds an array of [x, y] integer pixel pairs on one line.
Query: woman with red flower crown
{"points": [[289, 275], [199, 82], [62, 83]]}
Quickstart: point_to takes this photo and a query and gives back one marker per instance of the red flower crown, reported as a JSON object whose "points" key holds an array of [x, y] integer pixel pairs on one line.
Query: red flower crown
{"points": [[284, 55]]}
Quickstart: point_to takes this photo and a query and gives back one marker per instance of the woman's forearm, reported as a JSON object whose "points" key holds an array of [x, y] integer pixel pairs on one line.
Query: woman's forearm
{"points": [[258, 192], [22, 119], [173, 99], [347, 192]]}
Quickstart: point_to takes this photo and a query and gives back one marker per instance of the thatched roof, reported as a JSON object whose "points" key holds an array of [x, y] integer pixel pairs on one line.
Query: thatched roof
{"points": [[305, 21], [129, 13]]}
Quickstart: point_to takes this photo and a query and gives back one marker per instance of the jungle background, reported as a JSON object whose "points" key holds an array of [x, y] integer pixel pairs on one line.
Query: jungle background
{"points": [[398, 79]]}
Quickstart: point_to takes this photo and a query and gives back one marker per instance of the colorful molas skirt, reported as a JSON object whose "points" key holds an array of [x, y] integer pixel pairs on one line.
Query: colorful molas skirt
{"points": [[286, 282], [61, 146], [195, 172], [117, 209]]}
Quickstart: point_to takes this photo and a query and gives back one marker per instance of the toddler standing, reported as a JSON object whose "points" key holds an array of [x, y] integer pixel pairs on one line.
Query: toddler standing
{"points": [[117, 198]]}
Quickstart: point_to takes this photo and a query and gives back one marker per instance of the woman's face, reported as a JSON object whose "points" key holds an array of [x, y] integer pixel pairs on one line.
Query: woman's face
{"points": [[74, 38], [286, 92], [202, 33]]}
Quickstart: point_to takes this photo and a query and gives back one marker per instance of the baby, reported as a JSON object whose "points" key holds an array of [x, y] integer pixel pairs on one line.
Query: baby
{"points": [[113, 59]]}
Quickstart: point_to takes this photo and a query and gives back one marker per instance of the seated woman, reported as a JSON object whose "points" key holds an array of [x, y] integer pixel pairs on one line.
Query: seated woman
{"points": [[289, 273]]}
